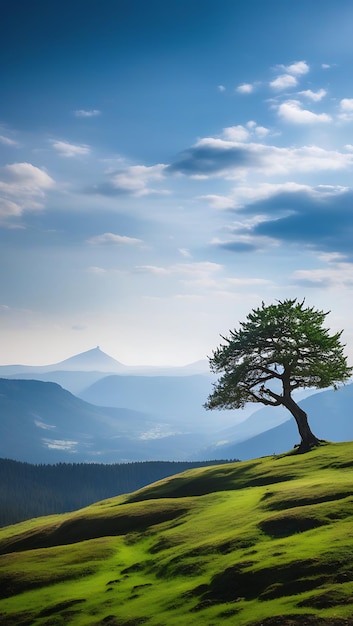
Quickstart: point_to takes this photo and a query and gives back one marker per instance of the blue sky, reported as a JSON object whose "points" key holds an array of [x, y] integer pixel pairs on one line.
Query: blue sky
{"points": [[167, 166]]}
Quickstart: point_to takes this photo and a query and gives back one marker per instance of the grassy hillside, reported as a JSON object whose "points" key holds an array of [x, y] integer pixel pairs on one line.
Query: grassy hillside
{"points": [[265, 542]]}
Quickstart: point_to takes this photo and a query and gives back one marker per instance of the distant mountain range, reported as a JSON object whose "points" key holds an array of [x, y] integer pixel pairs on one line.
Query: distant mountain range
{"points": [[43, 423], [175, 399], [82, 370], [123, 414], [95, 360]]}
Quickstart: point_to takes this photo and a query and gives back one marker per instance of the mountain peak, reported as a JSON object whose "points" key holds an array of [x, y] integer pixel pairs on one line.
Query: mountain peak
{"points": [[91, 360]]}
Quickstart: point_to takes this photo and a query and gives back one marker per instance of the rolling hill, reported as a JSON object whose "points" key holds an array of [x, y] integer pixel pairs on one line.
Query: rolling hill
{"points": [[260, 543]]}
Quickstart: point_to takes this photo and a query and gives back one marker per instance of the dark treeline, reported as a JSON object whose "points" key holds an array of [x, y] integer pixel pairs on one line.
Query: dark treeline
{"points": [[28, 491]]}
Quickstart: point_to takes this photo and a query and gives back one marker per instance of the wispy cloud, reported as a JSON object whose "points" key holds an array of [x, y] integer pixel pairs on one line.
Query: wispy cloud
{"points": [[70, 150], [185, 253], [87, 113], [6, 141], [133, 180], [315, 96], [196, 271], [112, 238], [338, 274]]}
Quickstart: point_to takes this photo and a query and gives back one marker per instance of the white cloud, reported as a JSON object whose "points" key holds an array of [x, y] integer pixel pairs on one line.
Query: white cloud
{"points": [[299, 68], [315, 96], [305, 159], [347, 104], [215, 157], [217, 202], [28, 177], [221, 88], [291, 111], [338, 275], [244, 194], [346, 109], [242, 242], [108, 238], [245, 88], [135, 179], [23, 187], [235, 133], [261, 131], [84, 113], [267, 190], [240, 133], [284, 81], [69, 150]]}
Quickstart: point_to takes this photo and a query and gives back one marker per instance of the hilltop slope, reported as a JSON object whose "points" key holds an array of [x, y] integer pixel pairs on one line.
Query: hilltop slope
{"points": [[264, 542]]}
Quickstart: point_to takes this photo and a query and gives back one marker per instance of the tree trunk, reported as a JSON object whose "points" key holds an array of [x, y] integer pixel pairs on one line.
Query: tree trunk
{"points": [[308, 439]]}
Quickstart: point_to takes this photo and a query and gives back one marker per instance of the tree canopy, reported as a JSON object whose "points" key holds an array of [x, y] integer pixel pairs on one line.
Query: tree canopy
{"points": [[284, 344]]}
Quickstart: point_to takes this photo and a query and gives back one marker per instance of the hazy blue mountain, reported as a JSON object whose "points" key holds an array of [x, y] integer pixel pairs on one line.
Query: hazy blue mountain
{"points": [[176, 399], [76, 382], [91, 360], [95, 360], [330, 417], [42, 423], [259, 421]]}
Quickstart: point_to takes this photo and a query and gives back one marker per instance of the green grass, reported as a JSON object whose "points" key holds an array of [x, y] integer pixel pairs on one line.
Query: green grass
{"points": [[265, 542]]}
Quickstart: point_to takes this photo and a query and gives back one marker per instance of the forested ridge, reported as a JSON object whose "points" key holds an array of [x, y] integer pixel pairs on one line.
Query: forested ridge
{"points": [[28, 490]]}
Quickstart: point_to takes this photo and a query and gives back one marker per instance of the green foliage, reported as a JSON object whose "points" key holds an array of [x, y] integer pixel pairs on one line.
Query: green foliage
{"points": [[260, 542], [285, 342]]}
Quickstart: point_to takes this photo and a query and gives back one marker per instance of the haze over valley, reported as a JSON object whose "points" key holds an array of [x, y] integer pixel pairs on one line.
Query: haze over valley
{"points": [[117, 416]]}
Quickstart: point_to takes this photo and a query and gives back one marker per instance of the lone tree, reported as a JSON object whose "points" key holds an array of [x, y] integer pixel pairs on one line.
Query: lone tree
{"points": [[286, 343]]}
